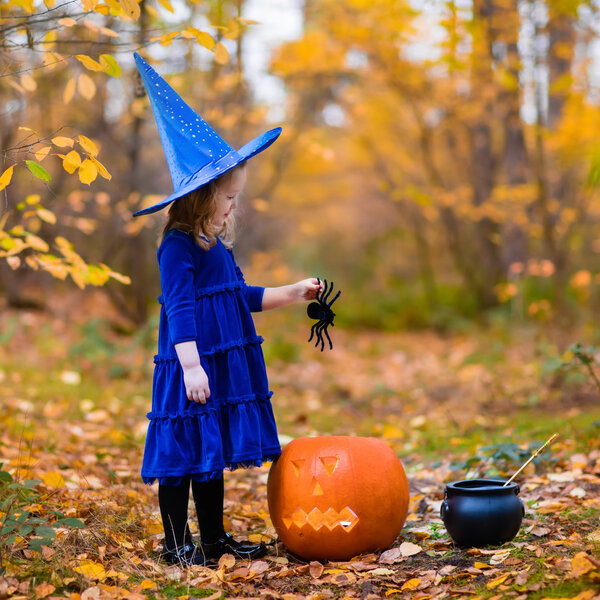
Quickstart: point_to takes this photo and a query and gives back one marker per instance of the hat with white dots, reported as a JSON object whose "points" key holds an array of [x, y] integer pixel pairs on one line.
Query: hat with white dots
{"points": [[195, 152]]}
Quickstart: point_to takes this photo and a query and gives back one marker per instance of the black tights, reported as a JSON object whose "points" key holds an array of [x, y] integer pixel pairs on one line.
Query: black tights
{"points": [[173, 501]]}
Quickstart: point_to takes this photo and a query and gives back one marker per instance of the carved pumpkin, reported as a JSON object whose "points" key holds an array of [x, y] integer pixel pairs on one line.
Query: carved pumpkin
{"points": [[333, 497]]}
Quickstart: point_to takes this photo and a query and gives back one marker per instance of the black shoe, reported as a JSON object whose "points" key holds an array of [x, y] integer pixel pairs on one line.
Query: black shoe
{"points": [[186, 556], [227, 545]]}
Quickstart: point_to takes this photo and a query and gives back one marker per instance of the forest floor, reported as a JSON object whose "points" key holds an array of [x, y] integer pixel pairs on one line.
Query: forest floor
{"points": [[78, 523]]}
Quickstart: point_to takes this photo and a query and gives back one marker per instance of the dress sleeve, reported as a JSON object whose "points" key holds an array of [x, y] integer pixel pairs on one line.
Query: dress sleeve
{"points": [[253, 293], [176, 264]]}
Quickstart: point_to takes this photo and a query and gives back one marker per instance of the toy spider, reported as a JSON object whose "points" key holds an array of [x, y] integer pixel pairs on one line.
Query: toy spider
{"points": [[321, 310]]}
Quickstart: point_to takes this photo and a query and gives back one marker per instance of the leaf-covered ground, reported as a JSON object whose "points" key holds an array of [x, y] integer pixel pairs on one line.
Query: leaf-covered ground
{"points": [[73, 405]]}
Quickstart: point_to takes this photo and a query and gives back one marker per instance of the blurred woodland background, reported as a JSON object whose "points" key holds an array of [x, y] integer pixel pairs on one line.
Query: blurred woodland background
{"points": [[440, 160]]}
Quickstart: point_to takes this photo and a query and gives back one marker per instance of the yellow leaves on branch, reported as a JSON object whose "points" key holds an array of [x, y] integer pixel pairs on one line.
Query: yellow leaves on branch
{"points": [[107, 63], [71, 161], [63, 142], [221, 54], [6, 177], [86, 86], [87, 171], [130, 8], [90, 167]]}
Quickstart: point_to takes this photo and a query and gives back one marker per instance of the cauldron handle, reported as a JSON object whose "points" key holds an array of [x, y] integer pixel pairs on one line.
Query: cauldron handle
{"points": [[444, 508]]}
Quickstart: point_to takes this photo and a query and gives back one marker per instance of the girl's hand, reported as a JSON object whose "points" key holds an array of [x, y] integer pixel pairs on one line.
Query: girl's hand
{"points": [[196, 384], [307, 289]]}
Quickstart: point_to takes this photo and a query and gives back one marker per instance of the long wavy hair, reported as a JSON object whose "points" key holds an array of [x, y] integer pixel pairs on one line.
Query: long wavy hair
{"points": [[193, 214]]}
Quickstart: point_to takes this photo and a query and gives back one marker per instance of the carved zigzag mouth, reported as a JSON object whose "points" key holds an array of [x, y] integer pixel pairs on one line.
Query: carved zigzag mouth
{"points": [[331, 518]]}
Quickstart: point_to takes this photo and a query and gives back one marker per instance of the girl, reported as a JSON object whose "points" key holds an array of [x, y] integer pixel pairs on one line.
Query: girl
{"points": [[211, 404]]}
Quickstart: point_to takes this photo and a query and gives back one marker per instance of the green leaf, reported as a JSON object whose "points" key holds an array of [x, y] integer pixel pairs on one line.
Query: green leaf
{"points": [[110, 64], [45, 532], [25, 530], [8, 528], [38, 170], [31, 483], [37, 543], [23, 517], [72, 522], [5, 476]]}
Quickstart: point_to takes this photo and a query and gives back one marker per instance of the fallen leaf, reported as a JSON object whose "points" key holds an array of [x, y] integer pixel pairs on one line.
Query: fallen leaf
{"points": [[411, 584], [389, 557], [91, 569], [409, 549], [227, 561], [494, 583], [315, 569], [580, 565], [540, 531], [44, 589]]}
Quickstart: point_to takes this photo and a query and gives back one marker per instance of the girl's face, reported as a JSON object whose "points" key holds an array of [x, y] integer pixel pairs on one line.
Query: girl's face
{"points": [[227, 196]]}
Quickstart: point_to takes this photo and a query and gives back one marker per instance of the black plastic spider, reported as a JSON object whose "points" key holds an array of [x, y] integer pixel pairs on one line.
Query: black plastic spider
{"points": [[321, 310]]}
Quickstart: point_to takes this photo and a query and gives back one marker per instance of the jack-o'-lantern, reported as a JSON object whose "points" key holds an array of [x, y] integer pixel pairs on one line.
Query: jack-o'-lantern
{"points": [[333, 497]]}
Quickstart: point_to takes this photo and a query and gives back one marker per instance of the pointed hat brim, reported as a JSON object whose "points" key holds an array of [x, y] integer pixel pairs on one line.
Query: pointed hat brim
{"points": [[217, 168]]}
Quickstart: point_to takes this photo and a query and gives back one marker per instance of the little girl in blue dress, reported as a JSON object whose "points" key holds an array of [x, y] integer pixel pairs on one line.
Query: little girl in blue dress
{"points": [[211, 405]]}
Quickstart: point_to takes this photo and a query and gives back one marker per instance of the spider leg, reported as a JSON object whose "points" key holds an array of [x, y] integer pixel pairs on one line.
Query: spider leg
{"points": [[327, 291], [330, 342], [320, 336], [312, 331], [336, 297]]}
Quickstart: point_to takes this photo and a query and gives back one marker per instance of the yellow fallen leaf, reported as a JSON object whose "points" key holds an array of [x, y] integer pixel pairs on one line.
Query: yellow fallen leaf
{"points": [[494, 583], [91, 569], [480, 565], [411, 584], [580, 565], [148, 584], [53, 479]]}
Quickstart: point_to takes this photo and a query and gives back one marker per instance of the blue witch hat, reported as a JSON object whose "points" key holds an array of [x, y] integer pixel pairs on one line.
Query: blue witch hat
{"points": [[195, 152]]}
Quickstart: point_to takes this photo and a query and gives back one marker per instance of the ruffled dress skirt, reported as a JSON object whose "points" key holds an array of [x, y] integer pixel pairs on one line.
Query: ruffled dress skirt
{"points": [[236, 427]]}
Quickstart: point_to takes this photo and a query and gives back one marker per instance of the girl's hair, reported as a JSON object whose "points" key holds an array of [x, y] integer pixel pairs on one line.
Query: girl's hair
{"points": [[194, 212]]}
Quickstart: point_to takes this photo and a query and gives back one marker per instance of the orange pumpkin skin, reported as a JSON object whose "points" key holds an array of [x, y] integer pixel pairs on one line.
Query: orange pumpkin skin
{"points": [[333, 497]]}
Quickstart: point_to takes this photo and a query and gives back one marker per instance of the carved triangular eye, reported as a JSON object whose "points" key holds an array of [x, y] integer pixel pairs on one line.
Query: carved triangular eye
{"points": [[297, 465], [329, 463]]}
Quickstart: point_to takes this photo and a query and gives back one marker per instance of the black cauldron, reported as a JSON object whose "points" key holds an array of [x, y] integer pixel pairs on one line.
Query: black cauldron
{"points": [[481, 512]]}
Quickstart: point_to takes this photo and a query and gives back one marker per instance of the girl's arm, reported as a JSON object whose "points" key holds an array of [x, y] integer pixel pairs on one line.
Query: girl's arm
{"points": [[286, 294], [194, 376]]}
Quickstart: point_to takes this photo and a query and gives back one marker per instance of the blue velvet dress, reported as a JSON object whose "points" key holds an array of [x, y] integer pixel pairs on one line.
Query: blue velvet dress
{"points": [[204, 298]]}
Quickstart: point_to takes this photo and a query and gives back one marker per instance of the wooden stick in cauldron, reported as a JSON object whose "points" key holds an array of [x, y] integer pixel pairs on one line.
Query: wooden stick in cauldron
{"points": [[538, 451]]}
